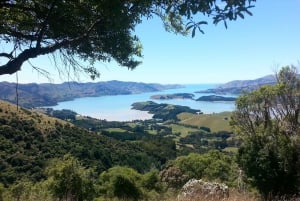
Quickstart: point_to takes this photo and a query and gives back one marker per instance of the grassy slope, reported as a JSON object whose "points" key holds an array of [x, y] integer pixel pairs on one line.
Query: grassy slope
{"points": [[216, 122], [29, 139], [39, 120], [183, 130]]}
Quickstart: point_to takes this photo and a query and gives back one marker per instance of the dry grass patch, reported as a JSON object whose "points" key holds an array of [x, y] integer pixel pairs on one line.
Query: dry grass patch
{"points": [[183, 130], [40, 121], [216, 122]]}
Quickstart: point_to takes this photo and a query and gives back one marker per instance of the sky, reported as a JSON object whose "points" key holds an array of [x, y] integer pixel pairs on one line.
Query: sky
{"points": [[248, 49]]}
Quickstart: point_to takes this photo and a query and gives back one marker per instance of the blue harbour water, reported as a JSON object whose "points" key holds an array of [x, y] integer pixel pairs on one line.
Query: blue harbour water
{"points": [[118, 107]]}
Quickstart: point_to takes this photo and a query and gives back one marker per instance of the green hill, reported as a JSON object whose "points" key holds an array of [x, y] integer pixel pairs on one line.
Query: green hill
{"points": [[28, 140]]}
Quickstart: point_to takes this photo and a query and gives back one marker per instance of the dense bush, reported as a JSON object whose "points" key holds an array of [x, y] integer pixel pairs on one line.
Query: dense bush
{"points": [[267, 120], [212, 166]]}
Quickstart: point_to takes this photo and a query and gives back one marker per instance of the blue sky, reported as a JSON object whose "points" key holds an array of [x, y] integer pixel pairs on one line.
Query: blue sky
{"points": [[248, 49]]}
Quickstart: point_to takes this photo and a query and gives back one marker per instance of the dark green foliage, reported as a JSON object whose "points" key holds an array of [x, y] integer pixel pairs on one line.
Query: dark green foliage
{"points": [[205, 128], [162, 149], [24, 150], [124, 188], [267, 120], [173, 96], [162, 111], [151, 181], [64, 114], [203, 141], [127, 184], [69, 180], [212, 166], [215, 98], [272, 165], [121, 182]]}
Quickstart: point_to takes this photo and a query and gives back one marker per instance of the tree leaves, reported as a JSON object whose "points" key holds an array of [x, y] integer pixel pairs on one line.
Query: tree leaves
{"points": [[268, 122], [98, 30]]}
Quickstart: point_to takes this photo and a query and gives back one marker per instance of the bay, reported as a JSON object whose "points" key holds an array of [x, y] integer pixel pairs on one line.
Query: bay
{"points": [[118, 107]]}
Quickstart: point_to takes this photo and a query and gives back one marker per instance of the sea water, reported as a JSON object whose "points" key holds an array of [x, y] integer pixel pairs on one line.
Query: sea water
{"points": [[118, 107]]}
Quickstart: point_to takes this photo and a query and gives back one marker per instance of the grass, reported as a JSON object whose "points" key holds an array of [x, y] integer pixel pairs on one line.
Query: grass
{"points": [[216, 122], [183, 130], [41, 121], [120, 130]]}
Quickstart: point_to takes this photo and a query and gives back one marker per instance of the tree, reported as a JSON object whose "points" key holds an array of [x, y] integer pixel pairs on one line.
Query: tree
{"points": [[267, 120], [68, 180], [97, 30], [121, 182], [211, 166]]}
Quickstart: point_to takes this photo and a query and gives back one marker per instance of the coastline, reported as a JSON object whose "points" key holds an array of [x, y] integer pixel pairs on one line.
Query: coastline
{"points": [[123, 116], [118, 107]]}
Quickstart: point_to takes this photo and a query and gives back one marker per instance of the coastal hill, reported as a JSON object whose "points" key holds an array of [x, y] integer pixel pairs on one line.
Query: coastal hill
{"points": [[173, 96], [240, 86], [30, 139], [215, 98], [35, 95]]}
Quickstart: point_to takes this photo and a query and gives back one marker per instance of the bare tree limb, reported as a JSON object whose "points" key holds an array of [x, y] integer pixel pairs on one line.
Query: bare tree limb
{"points": [[9, 56]]}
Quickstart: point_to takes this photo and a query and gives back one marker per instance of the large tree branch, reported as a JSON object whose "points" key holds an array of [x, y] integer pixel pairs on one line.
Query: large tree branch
{"points": [[4, 54], [15, 64], [21, 35]]}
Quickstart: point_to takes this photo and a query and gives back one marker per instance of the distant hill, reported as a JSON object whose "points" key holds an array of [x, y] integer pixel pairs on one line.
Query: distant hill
{"points": [[35, 95], [162, 111], [173, 96], [215, 98], [240, 86]]}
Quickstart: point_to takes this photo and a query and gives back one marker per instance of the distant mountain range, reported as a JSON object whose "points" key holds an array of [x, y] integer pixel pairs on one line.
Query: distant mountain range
{"points": [[36, 95], [240, 86]]}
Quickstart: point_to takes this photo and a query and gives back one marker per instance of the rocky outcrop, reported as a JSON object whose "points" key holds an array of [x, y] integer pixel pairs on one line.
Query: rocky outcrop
{"points": [[195, 190]]}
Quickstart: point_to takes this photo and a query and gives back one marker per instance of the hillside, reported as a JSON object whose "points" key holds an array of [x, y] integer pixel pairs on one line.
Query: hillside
{"points": [[173, 96], [215, 98], [240, 86], [35, 95], [162, 111], [28, 140]]}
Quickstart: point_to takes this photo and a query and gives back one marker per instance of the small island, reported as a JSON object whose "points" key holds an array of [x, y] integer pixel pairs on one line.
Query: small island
{"points": [[163, 111], [173, 96], [215, 98]]}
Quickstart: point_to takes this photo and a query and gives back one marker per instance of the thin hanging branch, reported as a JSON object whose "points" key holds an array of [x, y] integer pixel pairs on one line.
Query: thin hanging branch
{"points": [[17, 91]]}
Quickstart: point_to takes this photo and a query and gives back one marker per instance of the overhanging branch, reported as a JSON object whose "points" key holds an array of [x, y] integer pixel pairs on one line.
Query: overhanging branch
{"points": [[15, 64], [9, 56]]}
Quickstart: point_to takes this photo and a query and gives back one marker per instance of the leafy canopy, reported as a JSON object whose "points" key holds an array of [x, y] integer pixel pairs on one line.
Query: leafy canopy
{"points": [[96, 30], [268, 122]]}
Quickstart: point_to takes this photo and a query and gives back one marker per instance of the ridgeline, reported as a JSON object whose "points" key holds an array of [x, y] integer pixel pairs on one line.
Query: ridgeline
{"points": [[36, 95]]}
